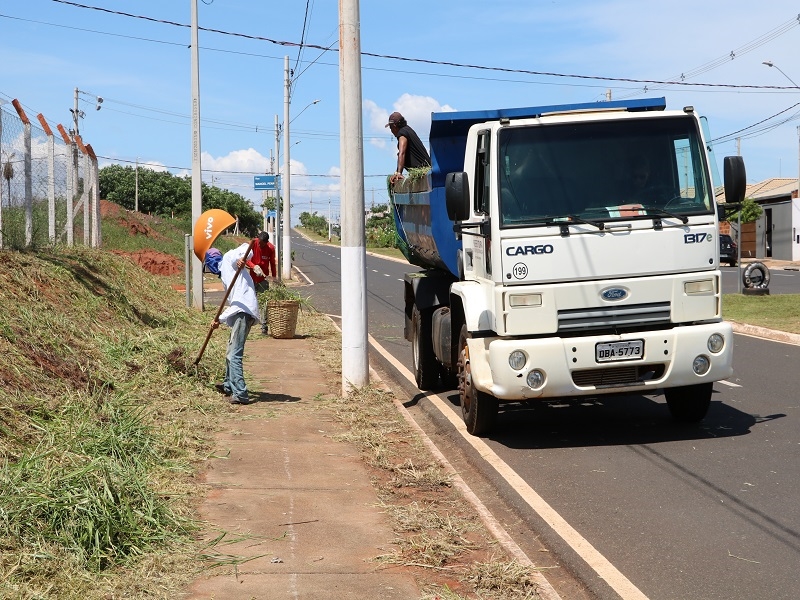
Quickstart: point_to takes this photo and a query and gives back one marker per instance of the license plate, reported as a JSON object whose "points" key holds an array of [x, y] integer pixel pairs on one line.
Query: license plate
{"points": [[614, 351]]}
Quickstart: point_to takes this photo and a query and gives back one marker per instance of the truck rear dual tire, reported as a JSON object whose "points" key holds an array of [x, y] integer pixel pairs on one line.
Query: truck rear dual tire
{"points": [[478, 409], [426, 368], [689, 403]]}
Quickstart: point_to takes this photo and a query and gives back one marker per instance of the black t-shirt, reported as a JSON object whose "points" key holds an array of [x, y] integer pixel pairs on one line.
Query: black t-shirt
{"points": [[416, 153]]}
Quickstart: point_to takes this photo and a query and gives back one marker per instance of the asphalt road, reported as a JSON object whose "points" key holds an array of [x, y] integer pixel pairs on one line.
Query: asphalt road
{"points": [[708, 511]]}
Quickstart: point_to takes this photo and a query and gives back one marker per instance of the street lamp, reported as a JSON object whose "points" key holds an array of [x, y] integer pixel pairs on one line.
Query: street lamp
{"points": [[769, 63], [304, 108]]}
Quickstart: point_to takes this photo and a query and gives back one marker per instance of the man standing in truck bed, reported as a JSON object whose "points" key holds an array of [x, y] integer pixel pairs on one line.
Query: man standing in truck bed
{"points": [[411, 152]]}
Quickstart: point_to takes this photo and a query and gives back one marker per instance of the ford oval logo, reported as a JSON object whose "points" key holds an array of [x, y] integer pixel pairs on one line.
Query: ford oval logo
{"points": [[614, 294]]}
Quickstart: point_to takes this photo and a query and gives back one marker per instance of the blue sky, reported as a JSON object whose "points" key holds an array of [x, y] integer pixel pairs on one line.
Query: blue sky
{"points": [[141, 69]]}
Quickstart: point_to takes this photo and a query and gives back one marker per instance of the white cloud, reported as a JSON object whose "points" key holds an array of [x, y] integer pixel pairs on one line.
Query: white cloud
{"points": [[238, 160], [416, 109]]}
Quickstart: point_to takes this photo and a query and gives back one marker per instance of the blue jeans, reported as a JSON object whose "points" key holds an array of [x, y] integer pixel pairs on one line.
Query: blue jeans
{"points": [[234, 369]]}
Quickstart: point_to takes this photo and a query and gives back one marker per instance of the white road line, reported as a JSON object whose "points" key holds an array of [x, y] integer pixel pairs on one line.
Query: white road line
{"points": [[728, 383], [600, 564], [545, 590]]}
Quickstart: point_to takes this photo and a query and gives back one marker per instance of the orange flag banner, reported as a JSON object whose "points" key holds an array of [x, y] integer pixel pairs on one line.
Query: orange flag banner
{"points": [[208, 226]]}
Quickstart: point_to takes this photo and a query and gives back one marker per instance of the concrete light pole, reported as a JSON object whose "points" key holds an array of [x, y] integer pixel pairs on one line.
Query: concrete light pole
{"points": [[136, 189], [278, 245], [355, 355], [286, 263], [197, 173]]}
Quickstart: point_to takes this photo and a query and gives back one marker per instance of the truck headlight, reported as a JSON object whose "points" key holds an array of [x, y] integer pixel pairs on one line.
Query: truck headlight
{"points": [[692, 288], [516, 300], [517, 360], [701, 364], [535, 379], [716, 342]]}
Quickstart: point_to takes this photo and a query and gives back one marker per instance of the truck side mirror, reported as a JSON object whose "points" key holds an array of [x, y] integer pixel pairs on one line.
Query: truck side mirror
{"points": [[456, 194], [735, 179]]}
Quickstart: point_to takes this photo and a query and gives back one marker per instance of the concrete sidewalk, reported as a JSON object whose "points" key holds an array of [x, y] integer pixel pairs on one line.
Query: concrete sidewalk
{"points": [[297, 508]]}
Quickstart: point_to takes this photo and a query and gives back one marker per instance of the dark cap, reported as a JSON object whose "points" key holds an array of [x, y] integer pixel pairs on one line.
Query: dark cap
{"points": [[395, 119]]}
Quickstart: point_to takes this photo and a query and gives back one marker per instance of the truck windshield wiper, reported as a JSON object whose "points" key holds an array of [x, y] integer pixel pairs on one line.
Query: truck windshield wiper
{"points": [[565, 220], [665, 213]]}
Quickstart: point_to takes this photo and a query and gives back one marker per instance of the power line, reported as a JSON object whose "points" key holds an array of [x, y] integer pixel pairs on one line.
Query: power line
{"points": [[440, 62]]}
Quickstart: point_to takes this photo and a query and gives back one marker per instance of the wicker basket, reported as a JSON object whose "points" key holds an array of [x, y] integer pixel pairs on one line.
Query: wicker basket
{"points": [[282, 318]]}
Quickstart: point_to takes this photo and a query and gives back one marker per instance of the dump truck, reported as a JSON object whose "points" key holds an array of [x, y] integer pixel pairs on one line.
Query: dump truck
{"points": [[566, 251]]}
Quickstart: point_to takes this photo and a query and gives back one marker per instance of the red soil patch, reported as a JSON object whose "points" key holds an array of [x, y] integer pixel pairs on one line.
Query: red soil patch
{"points": [[152, 261]]}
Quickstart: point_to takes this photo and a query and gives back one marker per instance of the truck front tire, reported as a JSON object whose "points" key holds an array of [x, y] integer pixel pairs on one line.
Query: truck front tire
{"points": [[689, 403], [478, 409], [426, 369]]}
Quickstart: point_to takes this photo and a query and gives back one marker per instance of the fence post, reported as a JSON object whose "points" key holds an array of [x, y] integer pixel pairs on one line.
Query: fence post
{"points": [[51, 179], [69, 227], [85, 193], [97, 232], [26, 172]]}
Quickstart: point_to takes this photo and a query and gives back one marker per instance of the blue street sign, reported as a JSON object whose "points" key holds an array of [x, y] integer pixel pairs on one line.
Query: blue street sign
{"points": [[266, 182]]}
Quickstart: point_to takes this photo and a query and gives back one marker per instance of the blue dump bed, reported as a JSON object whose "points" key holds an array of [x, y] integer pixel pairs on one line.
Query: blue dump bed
{"points": [[425, 232]]}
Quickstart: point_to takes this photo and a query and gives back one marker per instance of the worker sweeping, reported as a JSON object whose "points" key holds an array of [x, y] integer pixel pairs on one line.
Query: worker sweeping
{"points": [[241, 314]]}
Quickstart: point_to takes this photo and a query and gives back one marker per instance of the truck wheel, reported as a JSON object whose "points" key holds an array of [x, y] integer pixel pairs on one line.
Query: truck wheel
{"points": [[689, 403], [426, 369], [478, 409]]}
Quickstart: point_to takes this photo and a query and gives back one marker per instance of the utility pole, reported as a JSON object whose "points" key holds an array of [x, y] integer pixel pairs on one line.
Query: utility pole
{"points": [[278, 245], [287, 206], [75, 113], [197, 173], [136, 189], [329, 220], [355, 355]]}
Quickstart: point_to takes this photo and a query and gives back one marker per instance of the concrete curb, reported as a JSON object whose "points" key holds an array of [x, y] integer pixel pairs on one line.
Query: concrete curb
{"points": [[763, 332]]}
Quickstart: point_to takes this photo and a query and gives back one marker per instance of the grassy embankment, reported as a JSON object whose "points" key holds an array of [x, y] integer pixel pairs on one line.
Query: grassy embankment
{"points": [[103, 417]]}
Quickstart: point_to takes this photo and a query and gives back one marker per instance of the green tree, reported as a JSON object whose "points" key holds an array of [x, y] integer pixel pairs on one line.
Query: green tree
{"points": [[751, 211], [380, 227], [314, 222], [164, 194]]}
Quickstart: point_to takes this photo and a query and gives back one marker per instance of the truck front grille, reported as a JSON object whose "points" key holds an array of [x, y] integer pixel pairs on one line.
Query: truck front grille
{"points": [[615, 376], [614, 317]]}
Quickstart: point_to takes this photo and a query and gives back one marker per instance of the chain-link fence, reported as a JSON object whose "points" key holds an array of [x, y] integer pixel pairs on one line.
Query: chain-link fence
{"points": [[48, 184]]}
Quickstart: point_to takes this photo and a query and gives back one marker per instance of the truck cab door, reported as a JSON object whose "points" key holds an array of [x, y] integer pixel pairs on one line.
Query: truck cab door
{"points": [[479, 245]]}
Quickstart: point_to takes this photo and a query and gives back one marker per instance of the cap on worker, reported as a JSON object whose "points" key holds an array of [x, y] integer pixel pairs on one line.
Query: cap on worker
{"points": [[395, 119]]}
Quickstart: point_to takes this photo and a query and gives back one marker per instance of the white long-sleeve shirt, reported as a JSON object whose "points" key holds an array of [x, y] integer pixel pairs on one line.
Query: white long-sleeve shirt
{"points": [[243, 295]]}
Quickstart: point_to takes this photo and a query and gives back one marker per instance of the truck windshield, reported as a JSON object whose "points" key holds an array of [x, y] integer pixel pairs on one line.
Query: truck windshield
{"points": [[602, 171]]}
